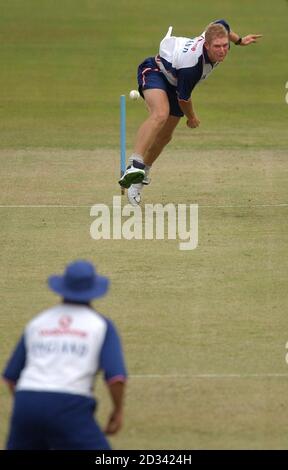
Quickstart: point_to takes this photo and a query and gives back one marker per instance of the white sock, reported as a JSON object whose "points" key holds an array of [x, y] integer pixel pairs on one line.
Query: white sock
{"points": [[137, 157], [147, 169]]}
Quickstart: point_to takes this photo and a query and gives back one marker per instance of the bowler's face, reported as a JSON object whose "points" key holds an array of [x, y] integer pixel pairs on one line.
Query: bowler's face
{"points": [[217, 49]]}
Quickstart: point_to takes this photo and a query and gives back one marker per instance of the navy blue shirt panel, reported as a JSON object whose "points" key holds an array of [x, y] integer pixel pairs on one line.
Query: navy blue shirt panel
{"points": [[16, 362], [188, 78], [111, 359], [169, 67], [224, 23]]}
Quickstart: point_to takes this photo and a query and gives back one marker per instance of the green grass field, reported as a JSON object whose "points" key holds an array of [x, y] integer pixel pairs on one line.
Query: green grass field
{"points": [[204, 331]]}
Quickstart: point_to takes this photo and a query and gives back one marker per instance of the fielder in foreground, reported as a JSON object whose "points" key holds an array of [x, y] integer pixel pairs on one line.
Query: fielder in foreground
{"points": [[53, 368], [166, 83]]}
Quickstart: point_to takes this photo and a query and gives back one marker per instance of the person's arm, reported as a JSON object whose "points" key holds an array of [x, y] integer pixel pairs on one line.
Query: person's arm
{"points": [[15, 365], [115, 419], [11, 385], [115, 374], [245, 41], [187, 79], [187, 109]]}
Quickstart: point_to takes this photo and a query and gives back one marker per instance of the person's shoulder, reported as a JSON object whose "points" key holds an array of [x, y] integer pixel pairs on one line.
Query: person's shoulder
{"points": [[109, 323], [40, 315], [93, 320], [104, 318], [194, 47], [192, 54]]}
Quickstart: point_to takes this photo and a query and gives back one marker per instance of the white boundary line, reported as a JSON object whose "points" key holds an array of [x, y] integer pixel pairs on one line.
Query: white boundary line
{"points": [[245, 207], [44, 206], [206, 376], [70, 206]]}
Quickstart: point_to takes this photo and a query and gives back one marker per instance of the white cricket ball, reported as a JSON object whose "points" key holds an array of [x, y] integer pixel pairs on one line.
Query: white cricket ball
{"points": [[134, 95]]}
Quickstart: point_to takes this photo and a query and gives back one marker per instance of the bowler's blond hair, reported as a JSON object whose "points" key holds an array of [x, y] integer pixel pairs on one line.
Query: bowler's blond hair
{"points": [[215, 30]]}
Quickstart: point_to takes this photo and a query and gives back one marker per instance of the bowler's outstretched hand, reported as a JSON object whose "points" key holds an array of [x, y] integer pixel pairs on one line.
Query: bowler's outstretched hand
{"points": [[250, 39]]}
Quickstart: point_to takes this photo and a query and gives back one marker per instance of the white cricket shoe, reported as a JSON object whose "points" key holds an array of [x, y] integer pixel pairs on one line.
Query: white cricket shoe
{"points": [[134, 194], [133, 174]]}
